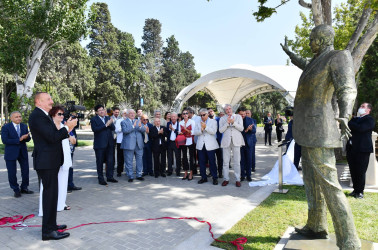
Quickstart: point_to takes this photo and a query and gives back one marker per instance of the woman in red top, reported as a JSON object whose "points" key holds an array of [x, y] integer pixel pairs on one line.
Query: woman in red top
{"points": [[185, 127]]}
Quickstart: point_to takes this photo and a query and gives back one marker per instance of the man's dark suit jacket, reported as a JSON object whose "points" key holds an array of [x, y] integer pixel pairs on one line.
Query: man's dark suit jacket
{"points": [[170, 132], [102, 135], [155, 136], [48, 151], [361, 129], [13, 146], [267, 125], [150, 126], [250, 136]]}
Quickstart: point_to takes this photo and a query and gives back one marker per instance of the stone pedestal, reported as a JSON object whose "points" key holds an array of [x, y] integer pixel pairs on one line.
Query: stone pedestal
{"points": [[291, 240], [372, 171]]}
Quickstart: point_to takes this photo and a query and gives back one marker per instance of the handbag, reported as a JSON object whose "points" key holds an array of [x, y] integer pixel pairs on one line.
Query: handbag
{"points": [[180, 140]]}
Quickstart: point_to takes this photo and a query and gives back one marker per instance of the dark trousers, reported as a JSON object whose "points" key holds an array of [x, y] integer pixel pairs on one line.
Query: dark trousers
{"points": [[297, 154], [185, 162], [203, 156], [101, 155], [246, 161], [253, 157], [159, 160], [120, 159], [172, 148], [12, 173], [49, 178], [268, 133], [147, 158], [279, 135], [358, 164], [219, 154], [70, 175]]}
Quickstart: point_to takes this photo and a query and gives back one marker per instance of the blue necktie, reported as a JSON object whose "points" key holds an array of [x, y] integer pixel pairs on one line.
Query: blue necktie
{"points": [[18, 130]]}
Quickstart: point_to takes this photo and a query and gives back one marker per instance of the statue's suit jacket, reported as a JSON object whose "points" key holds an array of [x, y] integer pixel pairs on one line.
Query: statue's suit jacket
{"points": [[231, 132], [314, 118]]}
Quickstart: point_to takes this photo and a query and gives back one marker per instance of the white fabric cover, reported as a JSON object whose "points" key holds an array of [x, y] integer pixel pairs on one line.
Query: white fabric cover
{"points": [[289, 171]]}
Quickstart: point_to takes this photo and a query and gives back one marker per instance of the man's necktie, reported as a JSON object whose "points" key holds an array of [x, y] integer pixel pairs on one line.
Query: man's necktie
{"points": [[103, 119], [145, 137], [18, 130]]}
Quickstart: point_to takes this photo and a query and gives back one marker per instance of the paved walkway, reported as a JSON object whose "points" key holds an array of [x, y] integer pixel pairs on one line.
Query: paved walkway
{"points": [[152, 198]]}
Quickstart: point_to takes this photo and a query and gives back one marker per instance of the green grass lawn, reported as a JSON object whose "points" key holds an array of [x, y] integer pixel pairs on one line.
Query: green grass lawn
{"points": [[264, 225], [30, 144]]}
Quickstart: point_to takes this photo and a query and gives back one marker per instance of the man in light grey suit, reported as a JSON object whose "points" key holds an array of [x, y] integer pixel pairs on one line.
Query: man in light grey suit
{"points": [[205, 131], [231, 126], [132, 143]]}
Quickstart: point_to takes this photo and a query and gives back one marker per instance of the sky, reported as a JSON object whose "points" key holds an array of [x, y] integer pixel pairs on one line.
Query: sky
{"points": [[219, 33]]}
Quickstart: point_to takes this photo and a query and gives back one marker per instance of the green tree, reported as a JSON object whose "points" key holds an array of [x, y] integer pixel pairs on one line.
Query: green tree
{"points": [[105, 51], [29, 28], [152, 41]]}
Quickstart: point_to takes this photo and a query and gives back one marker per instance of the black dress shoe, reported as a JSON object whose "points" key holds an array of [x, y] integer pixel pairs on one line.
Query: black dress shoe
{"points": [[144, 174], [102, 183], [352, 194], [119, 175], [61, 227], [55, 235], [163, 175], [112, 180], [215, 182], [140, 178], [253, 170], [26, 191], [169, 173], [249, 179], [17, 194], [74, 188], [359, 196], [202, 181], [305, 231], [177, 174], [220, 175], [242, 178], [130, 180], [184, 178]]}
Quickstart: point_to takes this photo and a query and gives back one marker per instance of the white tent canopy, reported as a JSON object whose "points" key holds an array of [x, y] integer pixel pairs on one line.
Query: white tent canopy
{"points": [[233, 85]]}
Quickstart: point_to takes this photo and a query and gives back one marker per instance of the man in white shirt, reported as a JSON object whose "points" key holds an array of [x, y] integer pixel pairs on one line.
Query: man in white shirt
{"points": [[118, 130], [173, 129]]}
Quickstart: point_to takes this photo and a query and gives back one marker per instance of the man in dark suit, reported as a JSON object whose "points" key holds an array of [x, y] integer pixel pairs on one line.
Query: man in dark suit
{"points": [[147, 153], [47, 159], [158, 134], [359, 148], [103, 144], [219, 151], [173, 128], [268, 122], [248, 113], [246, 151], [14, 136]]}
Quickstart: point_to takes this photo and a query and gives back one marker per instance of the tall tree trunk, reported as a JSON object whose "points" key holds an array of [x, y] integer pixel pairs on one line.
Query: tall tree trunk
{"points": [[327, 11], [33, 62], [364, 43], [317, 12]]}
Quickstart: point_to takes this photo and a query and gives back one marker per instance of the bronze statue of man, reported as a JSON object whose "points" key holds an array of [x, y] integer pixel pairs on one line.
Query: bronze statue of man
{"points": [[315, 128]]}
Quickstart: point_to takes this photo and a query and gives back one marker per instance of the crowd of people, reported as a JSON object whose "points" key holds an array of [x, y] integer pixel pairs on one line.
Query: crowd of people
{"points": [[177, 143], [174, 144]]}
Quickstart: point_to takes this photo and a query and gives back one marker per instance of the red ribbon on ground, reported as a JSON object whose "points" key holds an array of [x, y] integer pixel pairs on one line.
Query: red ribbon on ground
{"points": [[18, 218]]}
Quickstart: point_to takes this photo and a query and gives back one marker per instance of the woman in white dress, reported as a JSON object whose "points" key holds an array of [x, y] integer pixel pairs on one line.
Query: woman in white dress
{"points": [[57, 115]]}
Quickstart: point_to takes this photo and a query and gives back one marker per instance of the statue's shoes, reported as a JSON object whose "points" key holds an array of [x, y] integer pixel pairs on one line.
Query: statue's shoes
{"points": [[305, 231]]}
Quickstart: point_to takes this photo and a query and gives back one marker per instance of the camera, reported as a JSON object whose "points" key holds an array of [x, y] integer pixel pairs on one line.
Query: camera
{"points": [[71, 107]]}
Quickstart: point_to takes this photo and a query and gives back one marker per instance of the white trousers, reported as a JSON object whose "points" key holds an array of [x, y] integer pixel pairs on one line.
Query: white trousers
{"points": [[236, 162]]}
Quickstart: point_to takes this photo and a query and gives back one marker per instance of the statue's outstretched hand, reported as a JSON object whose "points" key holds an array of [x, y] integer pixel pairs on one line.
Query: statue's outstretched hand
{"points": [[285, 47], [345, 130]]}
